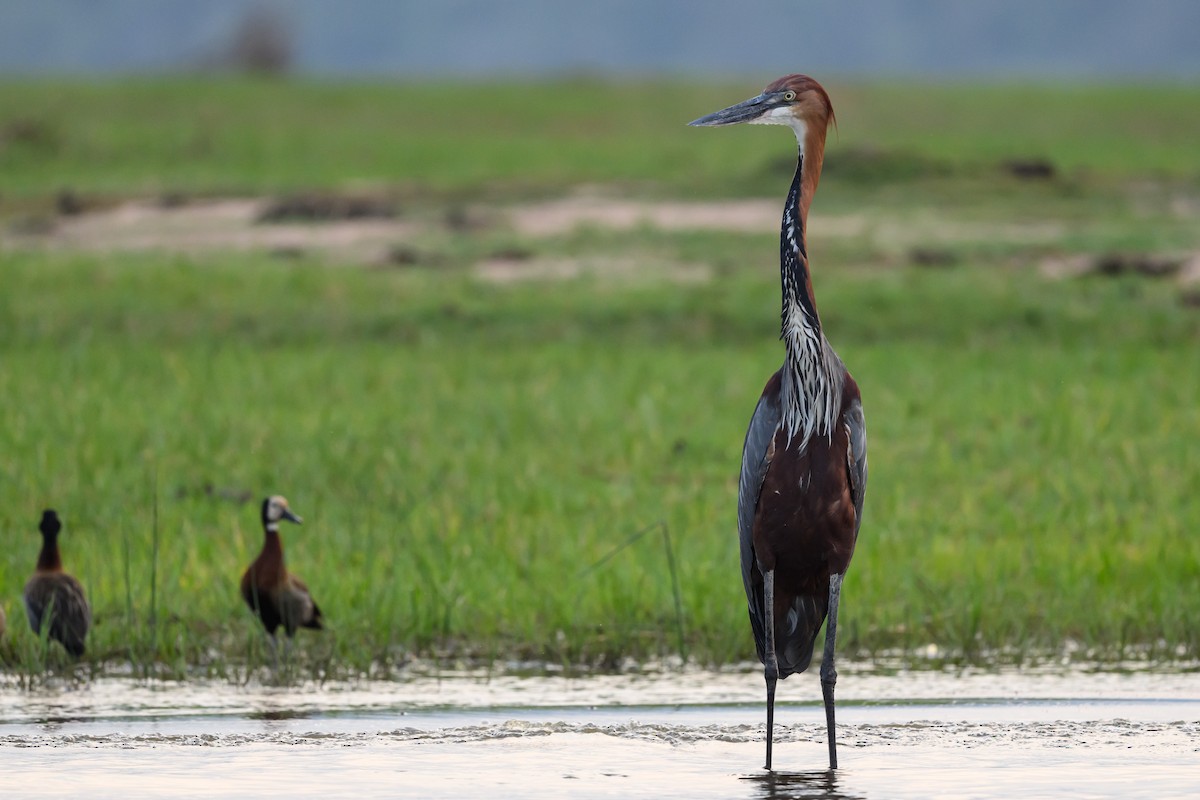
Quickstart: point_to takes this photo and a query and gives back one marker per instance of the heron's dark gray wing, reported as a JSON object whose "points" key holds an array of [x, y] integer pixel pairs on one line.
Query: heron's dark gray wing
{"points": [[856, 457], [762, 429]]}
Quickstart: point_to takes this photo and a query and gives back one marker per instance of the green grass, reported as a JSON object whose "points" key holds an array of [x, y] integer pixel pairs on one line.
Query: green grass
{"points": [[468, 456], [504, 139], [463, 454]]}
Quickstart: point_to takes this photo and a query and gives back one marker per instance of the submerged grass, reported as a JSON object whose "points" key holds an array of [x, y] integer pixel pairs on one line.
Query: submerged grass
{"points": [[469, 457]]}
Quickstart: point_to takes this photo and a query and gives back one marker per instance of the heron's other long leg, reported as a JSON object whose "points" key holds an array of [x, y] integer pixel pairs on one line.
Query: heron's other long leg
{"points": [[770, 662], [828, 670]]}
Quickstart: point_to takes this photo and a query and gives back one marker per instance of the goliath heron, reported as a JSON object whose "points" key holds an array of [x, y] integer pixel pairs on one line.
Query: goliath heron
{"points": [[273, 593], [52, 596], [804, 462]]}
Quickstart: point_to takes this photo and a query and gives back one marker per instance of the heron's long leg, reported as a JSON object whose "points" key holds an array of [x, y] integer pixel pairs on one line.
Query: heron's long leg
{"points": [[770, 662], [828, 670]]}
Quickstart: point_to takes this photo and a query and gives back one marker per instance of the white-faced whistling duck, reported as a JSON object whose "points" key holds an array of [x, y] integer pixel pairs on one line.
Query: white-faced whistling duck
{"points": [[274, 594], [54, 597], [804, 462]]}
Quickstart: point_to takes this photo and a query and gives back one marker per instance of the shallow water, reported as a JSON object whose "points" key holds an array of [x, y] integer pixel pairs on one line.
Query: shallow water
{"points": [[696, 734]]}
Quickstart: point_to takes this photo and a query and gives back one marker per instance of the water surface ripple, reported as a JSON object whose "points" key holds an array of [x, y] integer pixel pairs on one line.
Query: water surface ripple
{"points": [[693, 733]]}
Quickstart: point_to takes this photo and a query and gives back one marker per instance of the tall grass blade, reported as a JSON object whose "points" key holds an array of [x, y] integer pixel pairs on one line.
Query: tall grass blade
{"points": [[666, 531], [661, 526], [154, 569]]}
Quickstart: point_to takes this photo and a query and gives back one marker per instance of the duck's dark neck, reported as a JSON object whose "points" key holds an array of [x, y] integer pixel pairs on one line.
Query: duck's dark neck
{"points": [[48, 559], [272, 544]]}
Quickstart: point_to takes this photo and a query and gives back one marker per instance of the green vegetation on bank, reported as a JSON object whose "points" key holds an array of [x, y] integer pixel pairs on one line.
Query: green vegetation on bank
{"points": [[472, 458], [463, 453]]}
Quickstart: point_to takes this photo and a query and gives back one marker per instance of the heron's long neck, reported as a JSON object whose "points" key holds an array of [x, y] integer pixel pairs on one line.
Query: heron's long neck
{"points": [[799, 308], [811, 391]]}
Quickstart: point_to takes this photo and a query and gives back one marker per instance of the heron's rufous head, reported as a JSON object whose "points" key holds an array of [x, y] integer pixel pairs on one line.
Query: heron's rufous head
{"points": [[797, 101]]}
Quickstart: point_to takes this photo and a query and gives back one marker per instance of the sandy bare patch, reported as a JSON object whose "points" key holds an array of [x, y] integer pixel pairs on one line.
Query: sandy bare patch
{"points": [[1067, 266], [235, 225], [1189, 274], [762, 216], [507, 270], [735, 216], [563, 216], [230, 224], [929, 230], [1183, 267]]}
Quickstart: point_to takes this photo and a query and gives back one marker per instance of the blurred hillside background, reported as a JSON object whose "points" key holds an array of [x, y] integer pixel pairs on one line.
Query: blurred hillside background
{"points": [[1072, 39]]}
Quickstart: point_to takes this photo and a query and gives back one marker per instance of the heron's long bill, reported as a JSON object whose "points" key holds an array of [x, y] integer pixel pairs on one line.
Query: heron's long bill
{"points": [[742, 112]]}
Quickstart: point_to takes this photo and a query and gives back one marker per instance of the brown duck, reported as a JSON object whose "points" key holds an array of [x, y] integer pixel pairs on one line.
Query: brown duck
{"points": [[276, 596], [53, 597]]}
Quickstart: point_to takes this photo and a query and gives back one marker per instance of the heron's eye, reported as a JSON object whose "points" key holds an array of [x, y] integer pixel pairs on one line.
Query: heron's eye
{"points": [[789, 95]]}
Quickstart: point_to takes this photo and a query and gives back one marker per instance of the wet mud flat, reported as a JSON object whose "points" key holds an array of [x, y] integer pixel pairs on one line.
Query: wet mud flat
{"points": [[699, 734]]}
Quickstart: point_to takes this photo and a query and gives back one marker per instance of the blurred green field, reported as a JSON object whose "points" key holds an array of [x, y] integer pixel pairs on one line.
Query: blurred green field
{"points": [[465, 453], [501, 139]]}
